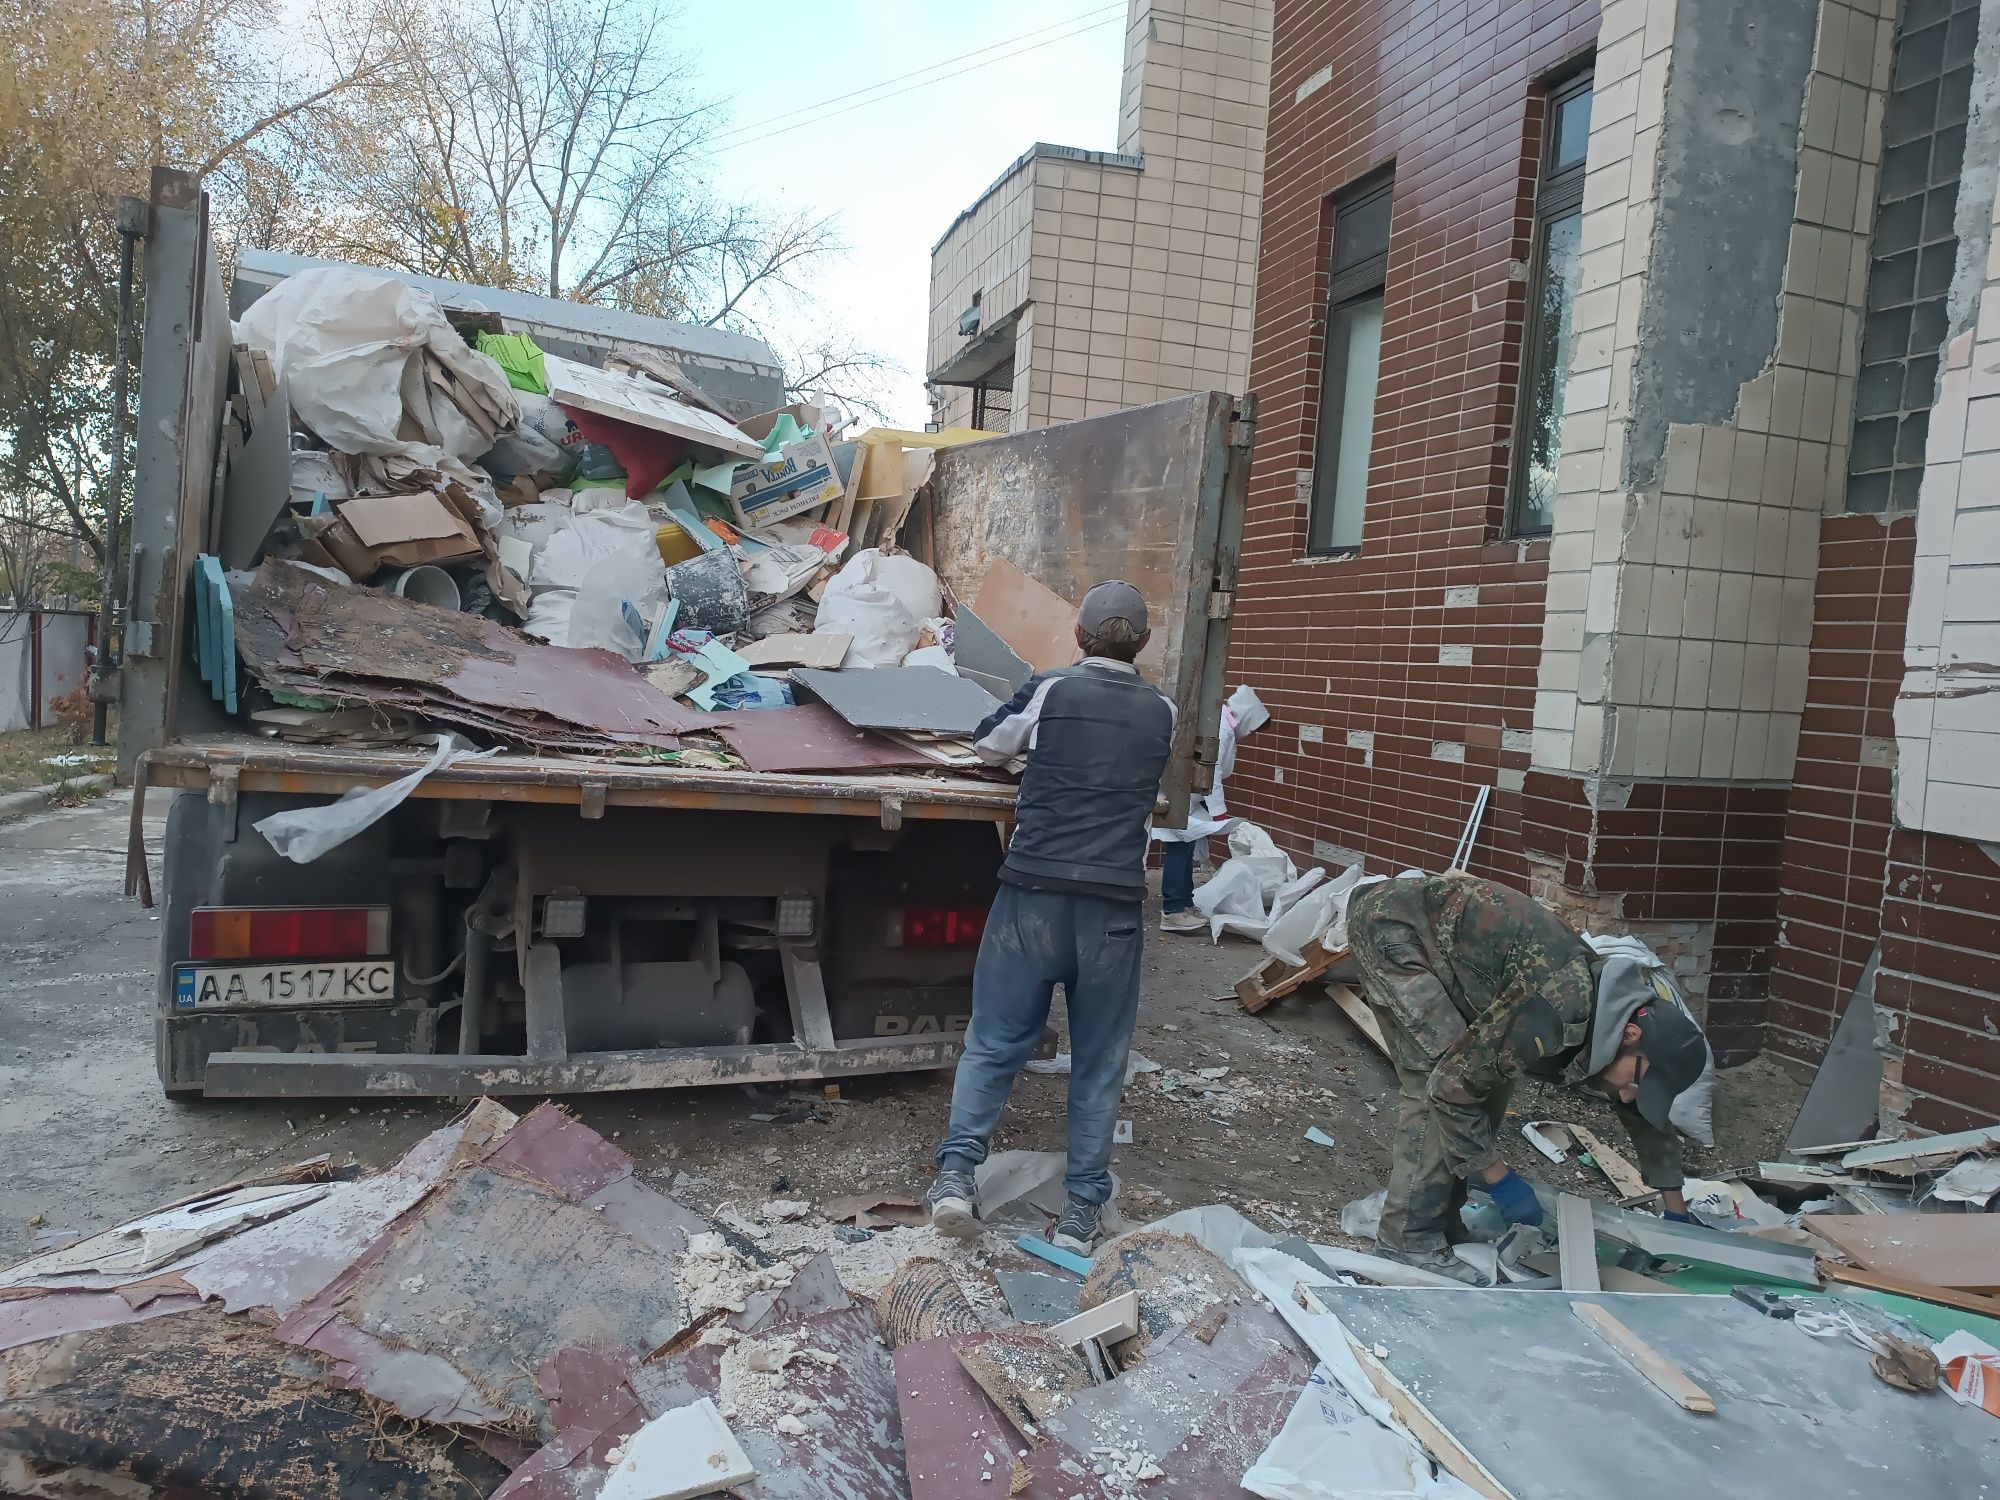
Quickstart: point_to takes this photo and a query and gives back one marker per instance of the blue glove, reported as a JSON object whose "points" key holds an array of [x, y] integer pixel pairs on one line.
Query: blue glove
{"points": [[1515, 1199], [1674, 1218]]}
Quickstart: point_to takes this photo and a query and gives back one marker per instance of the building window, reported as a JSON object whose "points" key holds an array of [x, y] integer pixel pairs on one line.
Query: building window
{"points": [[1353, 366], [1912, 253], [1553, 271]]}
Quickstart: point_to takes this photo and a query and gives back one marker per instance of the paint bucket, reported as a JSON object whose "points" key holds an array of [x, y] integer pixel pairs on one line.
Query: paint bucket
{"points": [[426, 585]]}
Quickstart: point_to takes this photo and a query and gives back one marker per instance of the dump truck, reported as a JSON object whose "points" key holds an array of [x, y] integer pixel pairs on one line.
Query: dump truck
{"points": [[541, 924]]}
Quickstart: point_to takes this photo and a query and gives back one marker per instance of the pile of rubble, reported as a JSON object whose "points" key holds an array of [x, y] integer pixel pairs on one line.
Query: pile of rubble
{"points": [[446, 515], [509, 1310]]}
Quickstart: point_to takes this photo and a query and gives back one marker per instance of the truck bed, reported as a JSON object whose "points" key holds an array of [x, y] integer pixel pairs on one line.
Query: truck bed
{"points": [[226, 763]]}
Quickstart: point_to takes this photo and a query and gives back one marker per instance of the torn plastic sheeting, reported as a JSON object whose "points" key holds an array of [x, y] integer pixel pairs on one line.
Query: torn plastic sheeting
{"points": [[1320, 912], [304, 834], [362, 351], [1330, 1449], [1386, 1449]]}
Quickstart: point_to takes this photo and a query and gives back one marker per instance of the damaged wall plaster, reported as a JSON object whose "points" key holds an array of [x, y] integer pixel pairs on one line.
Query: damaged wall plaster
{"points": [[1729, 149]]}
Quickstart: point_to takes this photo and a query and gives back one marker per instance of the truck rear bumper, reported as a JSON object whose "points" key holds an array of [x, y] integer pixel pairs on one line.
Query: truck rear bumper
{"points": [[293, 1075]]}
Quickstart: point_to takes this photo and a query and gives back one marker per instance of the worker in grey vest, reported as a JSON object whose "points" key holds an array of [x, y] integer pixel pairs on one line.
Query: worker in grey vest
{"points": [[1097, 737]]}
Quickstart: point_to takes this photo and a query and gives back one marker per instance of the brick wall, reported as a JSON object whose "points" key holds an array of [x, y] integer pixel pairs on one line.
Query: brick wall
{"points": [[1837, 836], [1935, 991], [1401, 679]]}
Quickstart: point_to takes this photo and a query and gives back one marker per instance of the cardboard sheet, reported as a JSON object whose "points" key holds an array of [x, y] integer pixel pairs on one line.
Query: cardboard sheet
{"points": [[1952, 1250], [1036, 621]]}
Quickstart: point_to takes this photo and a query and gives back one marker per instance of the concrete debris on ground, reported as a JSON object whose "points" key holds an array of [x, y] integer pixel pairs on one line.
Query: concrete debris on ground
{"points": [[583, 1309]]}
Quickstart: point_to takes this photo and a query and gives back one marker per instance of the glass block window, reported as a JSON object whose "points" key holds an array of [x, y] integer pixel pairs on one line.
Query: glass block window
{"points": [[1912, 253]]}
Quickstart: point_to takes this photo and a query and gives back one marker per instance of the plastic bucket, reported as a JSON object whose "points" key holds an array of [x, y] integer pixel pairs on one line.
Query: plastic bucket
{"points": [[427, 585]]}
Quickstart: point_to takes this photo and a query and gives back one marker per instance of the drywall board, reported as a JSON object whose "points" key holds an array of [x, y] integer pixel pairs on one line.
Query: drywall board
{"points": [[259, 483], [1846, 1091], [1555, 1414], [900, 698], [644, 403], [981, 654]]}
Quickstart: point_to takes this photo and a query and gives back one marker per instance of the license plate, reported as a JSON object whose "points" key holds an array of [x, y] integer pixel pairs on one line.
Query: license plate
{"points": [[367, 982]]}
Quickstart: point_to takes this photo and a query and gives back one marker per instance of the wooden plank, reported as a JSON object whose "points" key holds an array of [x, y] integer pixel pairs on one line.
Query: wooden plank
{"points": [[1576, 1244], [1625, 1178], [1951, 1250], [1360, 1012], [1924, 1291], [1273, 979], [1641, 1356], [1427, 1429]]}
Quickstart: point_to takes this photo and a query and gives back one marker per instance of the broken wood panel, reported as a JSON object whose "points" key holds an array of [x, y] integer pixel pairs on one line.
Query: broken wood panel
{"points": [[1960, 1251], [206, 1403], [812, 737]]}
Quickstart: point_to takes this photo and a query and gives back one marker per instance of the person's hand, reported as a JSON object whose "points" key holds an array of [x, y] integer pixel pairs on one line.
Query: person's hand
{"points": [[1514, 1198]]}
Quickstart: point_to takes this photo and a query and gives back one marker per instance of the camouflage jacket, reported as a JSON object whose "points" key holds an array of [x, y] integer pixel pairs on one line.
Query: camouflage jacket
{"points": [[1486, 984]]}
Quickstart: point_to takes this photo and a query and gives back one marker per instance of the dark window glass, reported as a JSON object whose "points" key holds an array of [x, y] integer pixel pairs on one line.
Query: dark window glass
{"points": [[1554, 272], [1352, 369]]}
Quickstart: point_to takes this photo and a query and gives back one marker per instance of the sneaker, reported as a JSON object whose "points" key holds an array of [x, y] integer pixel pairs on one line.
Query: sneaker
{"points": [[950, 1200], [1076, 1231], [1438, 1262], [1183, 921]]}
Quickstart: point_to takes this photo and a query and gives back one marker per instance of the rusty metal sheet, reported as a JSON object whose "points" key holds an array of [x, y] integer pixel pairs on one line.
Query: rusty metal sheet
{"points": [[812, 737], [504, 1265], [290, 621]]}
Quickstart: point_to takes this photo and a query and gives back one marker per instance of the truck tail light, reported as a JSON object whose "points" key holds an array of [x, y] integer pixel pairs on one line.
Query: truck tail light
{"points": [[272, 932], [937, 927]]}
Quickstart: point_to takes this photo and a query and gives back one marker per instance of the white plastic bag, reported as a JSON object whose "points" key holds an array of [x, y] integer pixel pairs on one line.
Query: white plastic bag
{"points": [[352, 346], [881, 601], [304, 834], [1318, 914]]}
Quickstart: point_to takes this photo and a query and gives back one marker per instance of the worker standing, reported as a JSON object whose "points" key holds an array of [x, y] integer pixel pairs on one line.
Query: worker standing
{"points": [[1475, 984], [1069, 911]]}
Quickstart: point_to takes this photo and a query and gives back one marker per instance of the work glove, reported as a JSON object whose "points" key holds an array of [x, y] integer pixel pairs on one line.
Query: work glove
{"points": [[1673, 1218], [1515, 1199]]}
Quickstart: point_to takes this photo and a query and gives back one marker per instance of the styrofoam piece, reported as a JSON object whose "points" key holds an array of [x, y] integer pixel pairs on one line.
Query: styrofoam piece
{"points": [[686, 1452]]}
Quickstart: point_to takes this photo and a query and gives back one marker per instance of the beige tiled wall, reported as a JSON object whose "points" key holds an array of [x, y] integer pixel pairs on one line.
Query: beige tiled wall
{"points": [[1141, 278], [1948, 714], [1679, 618]]}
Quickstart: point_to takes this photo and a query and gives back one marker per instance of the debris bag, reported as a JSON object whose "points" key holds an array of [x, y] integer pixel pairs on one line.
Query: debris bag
{"points": [[881, 600], [1363, 1216], [303, 834], [1318, 914], [617, 599], [374, 367], [572, 561], [525, 452]]}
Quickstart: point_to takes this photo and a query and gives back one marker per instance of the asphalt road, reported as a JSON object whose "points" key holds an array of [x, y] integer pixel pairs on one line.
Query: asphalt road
{"points": [[87, 1139]]}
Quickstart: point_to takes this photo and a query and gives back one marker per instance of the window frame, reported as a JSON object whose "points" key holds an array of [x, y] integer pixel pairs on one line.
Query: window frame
{"points": [[1558, 194], [1365, 279]]}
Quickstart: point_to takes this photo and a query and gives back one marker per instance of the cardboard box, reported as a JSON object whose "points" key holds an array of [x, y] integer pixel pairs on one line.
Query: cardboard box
{"points": [[801, 477], [397, 531]]}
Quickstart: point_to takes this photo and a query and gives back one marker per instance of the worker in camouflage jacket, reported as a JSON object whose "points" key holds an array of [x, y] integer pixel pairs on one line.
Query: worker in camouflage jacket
{"points": [[1475, 984]]}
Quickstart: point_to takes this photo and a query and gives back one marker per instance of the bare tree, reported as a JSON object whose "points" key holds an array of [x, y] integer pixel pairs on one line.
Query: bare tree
{"points": [[93, 94], [551, 146]]}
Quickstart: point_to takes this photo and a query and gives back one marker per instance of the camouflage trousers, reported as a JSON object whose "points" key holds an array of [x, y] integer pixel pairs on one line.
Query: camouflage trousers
{"points": [[1420, 1214]]}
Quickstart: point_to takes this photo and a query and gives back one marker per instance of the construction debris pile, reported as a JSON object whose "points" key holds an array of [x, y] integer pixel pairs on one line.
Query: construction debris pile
{"points": [[461, 531], [509, 1310]]}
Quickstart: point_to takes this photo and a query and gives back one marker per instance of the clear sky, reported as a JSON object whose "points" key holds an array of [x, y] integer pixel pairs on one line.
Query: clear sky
{"points": [[897, 172]]}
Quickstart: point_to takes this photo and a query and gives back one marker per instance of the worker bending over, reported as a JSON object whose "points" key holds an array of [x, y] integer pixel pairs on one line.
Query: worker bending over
{"points": [[1097, 737], [1475, 984]]}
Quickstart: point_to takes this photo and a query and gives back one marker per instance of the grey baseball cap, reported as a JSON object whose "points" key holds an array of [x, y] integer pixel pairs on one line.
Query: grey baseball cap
{"points": [[1112, 611]]}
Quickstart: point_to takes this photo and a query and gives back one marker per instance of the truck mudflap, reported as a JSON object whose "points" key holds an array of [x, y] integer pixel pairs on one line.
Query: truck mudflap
{"points": [[293, 1075]]}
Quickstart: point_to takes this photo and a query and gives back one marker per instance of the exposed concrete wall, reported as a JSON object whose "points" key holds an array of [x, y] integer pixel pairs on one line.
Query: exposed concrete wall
{"points": [[1729, 150], [1980, 176]]}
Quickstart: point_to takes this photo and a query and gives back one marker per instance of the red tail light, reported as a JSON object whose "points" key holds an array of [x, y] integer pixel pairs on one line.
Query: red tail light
{"points": [[941, 926], [237, 932]]}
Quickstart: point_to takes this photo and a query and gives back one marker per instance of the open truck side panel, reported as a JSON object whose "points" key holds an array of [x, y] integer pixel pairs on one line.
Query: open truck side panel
{"points": [[533, 925]]}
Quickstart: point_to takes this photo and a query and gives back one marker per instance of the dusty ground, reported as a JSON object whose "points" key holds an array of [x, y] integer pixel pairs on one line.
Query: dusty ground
{"points": [[86, 1138]]}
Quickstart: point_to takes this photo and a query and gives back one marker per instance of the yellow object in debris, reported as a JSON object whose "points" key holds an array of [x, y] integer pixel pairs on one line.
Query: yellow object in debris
{"points": [[676, 546]]}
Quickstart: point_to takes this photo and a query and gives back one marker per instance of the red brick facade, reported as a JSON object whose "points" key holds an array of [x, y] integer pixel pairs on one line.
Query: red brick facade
{"points": [[1837, 836], [1384, 731], [1936, 986]]}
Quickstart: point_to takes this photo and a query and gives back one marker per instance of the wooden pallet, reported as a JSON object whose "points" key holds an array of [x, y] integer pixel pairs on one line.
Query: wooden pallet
{"points": [[1273, 979]]}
